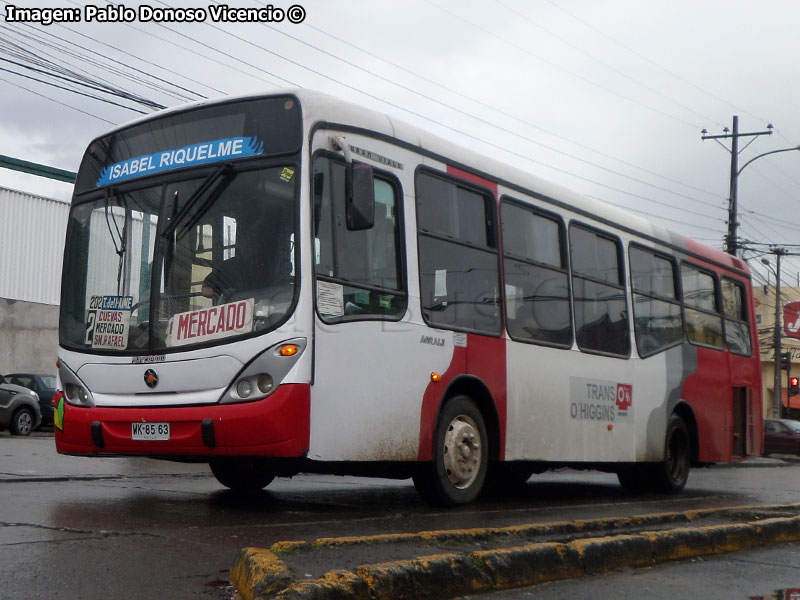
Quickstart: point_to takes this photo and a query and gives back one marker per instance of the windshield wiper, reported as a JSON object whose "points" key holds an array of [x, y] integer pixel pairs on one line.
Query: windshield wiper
{"points": [[221, 178], [120, 250]]}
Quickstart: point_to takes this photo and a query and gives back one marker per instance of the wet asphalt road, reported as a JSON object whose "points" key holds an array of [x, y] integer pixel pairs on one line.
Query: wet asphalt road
{"points": [[138, 528]]}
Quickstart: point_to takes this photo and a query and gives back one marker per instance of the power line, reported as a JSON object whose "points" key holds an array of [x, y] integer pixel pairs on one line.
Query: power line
{"points": [[22, 87], [454, 129], [74, 91], [498, 110], [205, 56], [649, 214], [169, 84], [485, 121], [598, 60], [74, 81], [64, 51], [652, 62], [225, 53], [556, 66]]}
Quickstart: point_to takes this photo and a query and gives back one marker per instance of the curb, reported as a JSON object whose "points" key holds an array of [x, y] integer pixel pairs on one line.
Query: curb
{"points": [[260, 573]]}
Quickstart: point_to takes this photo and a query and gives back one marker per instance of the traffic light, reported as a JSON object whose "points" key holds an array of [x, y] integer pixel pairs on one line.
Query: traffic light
{"points": [[786, 360], [794, 386]]}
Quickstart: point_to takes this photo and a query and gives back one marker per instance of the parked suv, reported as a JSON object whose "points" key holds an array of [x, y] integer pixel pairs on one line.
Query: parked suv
{"points": [[43, 385], [19, 408]]}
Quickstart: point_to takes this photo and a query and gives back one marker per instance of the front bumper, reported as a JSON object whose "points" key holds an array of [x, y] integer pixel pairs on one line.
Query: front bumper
{"points": [[276, 426]]}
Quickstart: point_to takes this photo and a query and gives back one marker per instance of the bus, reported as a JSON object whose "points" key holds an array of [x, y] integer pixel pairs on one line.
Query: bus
{"points": [[286, 283]]}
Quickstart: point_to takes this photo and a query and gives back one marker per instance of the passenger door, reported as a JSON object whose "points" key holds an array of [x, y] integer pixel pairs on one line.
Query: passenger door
{"points": [[363, 343]]}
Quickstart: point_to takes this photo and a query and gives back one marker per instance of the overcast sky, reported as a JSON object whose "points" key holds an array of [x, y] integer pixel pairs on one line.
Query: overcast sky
{"points": [[605, 97]]}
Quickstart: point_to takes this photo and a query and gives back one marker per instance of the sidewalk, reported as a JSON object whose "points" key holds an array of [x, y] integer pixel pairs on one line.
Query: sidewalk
{"points": [[449, 564]]}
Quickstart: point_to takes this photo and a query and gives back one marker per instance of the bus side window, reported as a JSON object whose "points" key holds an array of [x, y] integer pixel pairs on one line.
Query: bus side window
{"points": [[656, 310], [737, 328], [361, 270], [537, 282], [599, 295], [458, 262], [700, 299]]}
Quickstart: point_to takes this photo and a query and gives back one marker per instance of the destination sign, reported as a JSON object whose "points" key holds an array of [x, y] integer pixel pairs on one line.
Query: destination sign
{"points": [[176, 158]]}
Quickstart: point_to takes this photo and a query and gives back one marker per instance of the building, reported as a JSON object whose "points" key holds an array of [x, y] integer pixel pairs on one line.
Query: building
{"points": [[764, 300], [32, 230]]}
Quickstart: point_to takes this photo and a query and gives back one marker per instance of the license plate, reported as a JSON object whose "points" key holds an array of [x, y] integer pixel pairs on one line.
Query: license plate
{"points": [[149, 431]]}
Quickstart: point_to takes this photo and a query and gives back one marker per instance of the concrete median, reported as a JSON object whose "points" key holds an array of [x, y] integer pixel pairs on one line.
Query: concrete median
{"points": [[517, 556]]}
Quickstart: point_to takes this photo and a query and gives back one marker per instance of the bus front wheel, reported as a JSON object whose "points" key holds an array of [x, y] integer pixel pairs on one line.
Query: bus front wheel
{"points": [[460, 456], [241, 474]]}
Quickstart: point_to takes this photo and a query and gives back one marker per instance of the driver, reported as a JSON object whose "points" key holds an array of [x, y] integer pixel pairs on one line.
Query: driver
{"points": [[258, 263]]}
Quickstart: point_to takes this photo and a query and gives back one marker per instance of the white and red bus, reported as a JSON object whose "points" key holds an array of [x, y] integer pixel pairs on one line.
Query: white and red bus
{"points": [[290, 283]]}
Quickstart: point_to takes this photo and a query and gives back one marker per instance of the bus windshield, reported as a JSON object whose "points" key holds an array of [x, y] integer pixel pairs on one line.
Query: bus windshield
{"points": [[189, 261]]}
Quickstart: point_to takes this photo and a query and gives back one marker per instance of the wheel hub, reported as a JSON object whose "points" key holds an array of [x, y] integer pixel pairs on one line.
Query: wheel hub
{"points": [[25, 423], [462, 451]]}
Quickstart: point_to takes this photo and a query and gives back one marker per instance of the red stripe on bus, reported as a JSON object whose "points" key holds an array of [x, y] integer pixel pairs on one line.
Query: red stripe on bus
{"points": [[483, 358], [711, 389]]}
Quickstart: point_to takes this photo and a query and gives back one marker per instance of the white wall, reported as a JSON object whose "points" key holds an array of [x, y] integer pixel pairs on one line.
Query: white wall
{"points": [[32, 230]]}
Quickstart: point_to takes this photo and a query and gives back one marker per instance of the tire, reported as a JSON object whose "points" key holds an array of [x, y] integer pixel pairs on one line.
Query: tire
{"points": [[670, 476], [242, 474], [460, 456], [22, 422]]}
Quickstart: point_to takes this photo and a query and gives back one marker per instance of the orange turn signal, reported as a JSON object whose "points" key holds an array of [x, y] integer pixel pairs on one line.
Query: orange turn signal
{"points": [[288, 350], [435, 377]]}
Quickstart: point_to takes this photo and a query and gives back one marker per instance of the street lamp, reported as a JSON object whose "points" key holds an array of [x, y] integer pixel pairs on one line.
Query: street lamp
{"points": [[739, 172], [776, 338], [732, 243]]}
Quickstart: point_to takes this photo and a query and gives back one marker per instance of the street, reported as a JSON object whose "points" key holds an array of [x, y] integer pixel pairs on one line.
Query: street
{"points": [[92, 528]]}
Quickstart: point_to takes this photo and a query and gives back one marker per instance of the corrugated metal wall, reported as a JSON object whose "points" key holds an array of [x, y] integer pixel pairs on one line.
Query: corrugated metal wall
{"points": [[32, 230]]}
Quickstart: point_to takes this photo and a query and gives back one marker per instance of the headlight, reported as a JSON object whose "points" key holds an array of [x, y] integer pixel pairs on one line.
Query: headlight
{"points": [[265, 373], [244, 388], [265, 383], [76, 392]]}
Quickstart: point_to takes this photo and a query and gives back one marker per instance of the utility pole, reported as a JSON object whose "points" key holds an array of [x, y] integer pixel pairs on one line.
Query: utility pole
{"points": [[731, 240], [776, 392]]}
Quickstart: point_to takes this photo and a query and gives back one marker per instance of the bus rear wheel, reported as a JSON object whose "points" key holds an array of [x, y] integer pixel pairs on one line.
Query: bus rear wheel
{"points": [[460, 456], [670, 476], [241, 474]]}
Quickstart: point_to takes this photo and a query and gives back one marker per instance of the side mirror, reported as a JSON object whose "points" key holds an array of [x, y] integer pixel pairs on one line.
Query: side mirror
{"points": [[360, 200]]}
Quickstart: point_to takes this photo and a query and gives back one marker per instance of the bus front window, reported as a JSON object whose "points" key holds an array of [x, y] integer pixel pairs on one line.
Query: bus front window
{"points": [[182, 263]]}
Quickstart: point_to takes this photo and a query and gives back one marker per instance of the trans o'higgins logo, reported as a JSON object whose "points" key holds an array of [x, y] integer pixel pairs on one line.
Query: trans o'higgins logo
{"points": [[596, 400]]}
